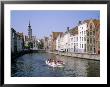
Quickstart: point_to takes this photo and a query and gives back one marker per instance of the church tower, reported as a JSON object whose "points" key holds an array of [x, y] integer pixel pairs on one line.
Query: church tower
{"points": [[29, 32]]}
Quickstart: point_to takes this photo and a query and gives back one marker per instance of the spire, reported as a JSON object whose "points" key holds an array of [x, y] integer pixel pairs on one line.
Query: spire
{"points": [[29, 24]]}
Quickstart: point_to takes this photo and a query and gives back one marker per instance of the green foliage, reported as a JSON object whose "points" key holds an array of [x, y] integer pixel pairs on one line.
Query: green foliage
{"points": [[30, 44], [26, 47]]}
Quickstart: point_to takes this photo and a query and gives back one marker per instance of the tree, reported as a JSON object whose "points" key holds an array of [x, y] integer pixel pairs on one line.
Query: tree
{"points": [[30, 45], [40, 45]]}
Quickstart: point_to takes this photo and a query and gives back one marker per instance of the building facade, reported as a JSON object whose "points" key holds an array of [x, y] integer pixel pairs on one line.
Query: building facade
{"points": [[30, 41], [26, 40], [13, 41], [20, 42], [97, 35], [17, 41], [93, 37], [35, 43], [59, 42], [84, 38], [53, 40], [46, 43], [74, 39], [82, 42]]}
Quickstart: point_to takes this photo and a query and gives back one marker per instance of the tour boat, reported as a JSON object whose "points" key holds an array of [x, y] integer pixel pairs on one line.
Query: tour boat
{"points": [[54, 63]]}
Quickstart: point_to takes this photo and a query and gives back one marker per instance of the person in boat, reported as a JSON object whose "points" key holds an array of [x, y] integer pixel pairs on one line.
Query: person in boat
{"points": [[61, 62], [55, 61], [50, 60]]}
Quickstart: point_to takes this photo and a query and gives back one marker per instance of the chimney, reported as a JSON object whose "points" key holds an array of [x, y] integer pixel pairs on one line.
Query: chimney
{"points": [[67, 29], [79, 22]]}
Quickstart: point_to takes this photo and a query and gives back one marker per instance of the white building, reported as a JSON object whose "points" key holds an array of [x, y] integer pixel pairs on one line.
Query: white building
{"points": [[66, 42], [82, 42], [73, 40], [60, 42], [35, 43], [73, 43]]}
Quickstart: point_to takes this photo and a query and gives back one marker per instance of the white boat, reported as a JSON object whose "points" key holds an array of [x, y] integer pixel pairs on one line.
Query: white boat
{"points": [[54, 63]]}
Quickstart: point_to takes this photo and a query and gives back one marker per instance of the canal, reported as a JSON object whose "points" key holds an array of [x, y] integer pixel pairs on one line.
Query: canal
{"points": [[33, 65]]}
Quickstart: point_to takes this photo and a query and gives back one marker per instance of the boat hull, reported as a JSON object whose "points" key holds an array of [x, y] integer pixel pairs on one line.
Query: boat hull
{"points": [[52, 64]]}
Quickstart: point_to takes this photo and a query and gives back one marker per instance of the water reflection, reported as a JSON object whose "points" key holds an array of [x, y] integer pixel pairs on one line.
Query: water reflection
{"points": [[33, 65]]}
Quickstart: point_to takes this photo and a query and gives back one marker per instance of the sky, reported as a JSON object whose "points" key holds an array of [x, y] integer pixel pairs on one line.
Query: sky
{"points": [[43, 22]]}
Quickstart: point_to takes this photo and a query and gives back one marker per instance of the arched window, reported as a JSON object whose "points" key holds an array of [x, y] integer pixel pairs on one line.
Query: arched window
{"points": [[91, 26], [90, 40], [87, 40], [93, 32], [87, 33]]}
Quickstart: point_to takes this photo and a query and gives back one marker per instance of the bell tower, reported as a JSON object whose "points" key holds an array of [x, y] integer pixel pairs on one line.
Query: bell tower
{"points": [[29, 32]]}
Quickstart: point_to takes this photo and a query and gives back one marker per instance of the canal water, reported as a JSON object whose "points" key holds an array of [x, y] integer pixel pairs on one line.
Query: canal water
{"points": [[33, 65]]}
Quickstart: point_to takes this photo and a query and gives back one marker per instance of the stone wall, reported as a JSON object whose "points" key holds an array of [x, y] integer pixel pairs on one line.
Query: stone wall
{"points": [[79, 55]]}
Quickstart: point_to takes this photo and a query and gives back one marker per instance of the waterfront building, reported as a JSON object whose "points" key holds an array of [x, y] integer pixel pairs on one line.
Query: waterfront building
{"points": [[97, 38], [49, 43], [46, 43], [59, 42], [84, 38], [35, 43], [13, 41], [66, 40], [82, 42], [20, 42], [62, 40], [53, 40], [26, 41], [73, 40], [93, 37]]}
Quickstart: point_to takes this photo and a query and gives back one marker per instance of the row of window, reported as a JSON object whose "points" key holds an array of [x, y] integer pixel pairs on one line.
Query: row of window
{"points": [[91, 33], [82, 46], [91, 40], [75, 44], [81, 27], [75, 39], [83, 39], [91, 49], [82, 32]]}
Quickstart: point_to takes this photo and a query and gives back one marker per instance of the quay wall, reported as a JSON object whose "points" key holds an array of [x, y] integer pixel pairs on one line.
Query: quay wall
{"points": [[78, 55]]}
